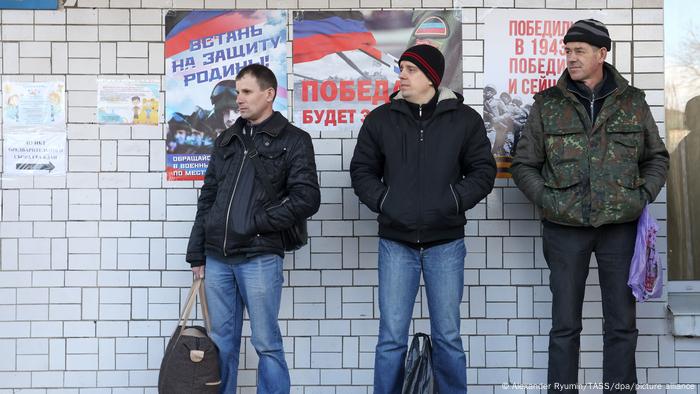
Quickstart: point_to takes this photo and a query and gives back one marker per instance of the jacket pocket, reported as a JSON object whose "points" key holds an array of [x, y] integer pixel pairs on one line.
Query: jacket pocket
{"points": [[274, 164], [561, 201], [441, 210], [565, 145], [381, 204], [627, 199], [396, 210], [624, 143], [456, 199]]}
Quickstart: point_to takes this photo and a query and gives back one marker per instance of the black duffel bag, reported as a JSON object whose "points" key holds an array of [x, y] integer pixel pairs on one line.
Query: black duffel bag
{"points": [[419, 367], [191, 361]]}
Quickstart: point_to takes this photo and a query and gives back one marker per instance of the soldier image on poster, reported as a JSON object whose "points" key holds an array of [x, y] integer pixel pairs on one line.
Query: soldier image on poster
{"points": [[225, 108], [504, 118], [204, 50]]}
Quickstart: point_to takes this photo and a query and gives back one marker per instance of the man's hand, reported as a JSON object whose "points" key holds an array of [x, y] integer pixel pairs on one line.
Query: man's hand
{"points": [[198, 272]]}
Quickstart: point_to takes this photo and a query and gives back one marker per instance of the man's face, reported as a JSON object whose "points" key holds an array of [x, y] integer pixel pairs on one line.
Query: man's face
{"points": [[414, 84], [584, 61], [229, 117], [488, 94], [180, 136], [197, 138], [254, 103]]}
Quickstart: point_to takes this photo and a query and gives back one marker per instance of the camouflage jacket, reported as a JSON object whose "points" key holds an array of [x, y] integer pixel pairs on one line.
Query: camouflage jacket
{"points": [[584, 174]]}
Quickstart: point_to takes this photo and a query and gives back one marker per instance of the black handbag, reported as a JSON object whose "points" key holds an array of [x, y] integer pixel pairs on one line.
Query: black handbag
{"points": [[419, 367], [191, 360], [293, 237]]}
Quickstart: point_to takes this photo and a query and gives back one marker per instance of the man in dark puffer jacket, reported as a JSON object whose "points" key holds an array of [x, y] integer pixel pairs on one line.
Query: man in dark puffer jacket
{"points": [[237, 227], [421, 161]]}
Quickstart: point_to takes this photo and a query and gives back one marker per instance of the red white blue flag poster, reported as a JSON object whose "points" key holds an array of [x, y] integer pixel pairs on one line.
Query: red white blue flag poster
{"points": [[345, 63], [204, 50]]}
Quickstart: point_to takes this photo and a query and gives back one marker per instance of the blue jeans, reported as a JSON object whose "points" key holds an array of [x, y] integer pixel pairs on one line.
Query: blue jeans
{"points": [[400, 269], [255, 284]]}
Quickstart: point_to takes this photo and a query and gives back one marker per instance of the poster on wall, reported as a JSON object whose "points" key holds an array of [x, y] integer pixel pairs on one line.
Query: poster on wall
{"points": [[204, 50], [345, 63], [33, 103], [128, 101], [523, 55], [34, 153], [29, 4]]}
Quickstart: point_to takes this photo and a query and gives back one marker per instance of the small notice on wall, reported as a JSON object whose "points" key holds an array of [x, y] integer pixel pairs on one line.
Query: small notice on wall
{"points": [[33, 103], [128, 101], [37, 153]]}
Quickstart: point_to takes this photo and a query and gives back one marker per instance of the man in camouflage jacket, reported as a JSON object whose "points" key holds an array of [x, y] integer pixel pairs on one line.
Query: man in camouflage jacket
{"points": [[590, 157]]}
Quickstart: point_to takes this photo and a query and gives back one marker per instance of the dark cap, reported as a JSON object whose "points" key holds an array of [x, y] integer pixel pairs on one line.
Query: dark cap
{"points": [[590, 31], [428, 59]]}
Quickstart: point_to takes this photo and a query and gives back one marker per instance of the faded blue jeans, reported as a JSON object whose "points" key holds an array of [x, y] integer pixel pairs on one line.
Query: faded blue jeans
{"points": [[255, 284], [400, 269]]}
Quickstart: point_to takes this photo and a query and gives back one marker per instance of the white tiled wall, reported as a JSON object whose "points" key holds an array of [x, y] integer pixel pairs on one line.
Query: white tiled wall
{"points": [[92, 271]]}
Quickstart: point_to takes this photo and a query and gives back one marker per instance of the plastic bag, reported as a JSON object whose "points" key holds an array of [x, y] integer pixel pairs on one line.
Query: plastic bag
{"points": [[646, 276], [419, 367]]}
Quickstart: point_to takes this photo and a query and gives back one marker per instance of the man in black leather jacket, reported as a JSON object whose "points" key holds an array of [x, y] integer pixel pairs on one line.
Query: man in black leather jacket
{"points": [[237, 227]]}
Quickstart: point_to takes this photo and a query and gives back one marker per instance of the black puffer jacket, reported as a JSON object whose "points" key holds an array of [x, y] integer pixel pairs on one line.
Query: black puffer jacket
{"points": [[421, 176], [234, 215]]}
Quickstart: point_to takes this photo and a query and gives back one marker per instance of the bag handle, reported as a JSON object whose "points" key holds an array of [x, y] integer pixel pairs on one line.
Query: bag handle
{"points": [[205, 306], [191, 298], [416, 351]]}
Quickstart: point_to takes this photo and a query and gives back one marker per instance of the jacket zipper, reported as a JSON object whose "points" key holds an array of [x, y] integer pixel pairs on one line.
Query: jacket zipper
{"points": [[278, 205], [233, 193], [593, 98], [420, 153], [420, 115]]}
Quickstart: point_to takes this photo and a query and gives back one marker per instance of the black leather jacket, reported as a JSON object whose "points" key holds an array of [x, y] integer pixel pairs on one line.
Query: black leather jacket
{"points": [[234, 215]]}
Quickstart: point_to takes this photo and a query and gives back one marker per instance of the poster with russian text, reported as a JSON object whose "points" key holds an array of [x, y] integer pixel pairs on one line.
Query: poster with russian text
{"points": [[345, 63], [523, 54], [204, 50], [128, 101], [34, 153], [27, 104]]}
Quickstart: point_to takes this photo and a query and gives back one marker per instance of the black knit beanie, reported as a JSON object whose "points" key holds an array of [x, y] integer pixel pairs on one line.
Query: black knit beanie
{"points": [[428, 59], [590, 31]]}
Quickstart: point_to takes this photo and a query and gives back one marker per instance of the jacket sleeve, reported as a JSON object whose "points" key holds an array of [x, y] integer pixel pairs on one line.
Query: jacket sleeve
{"points": [[367, 167], [530, 157], [653, 165], [478, 167], [207, 196], [303, 196]]}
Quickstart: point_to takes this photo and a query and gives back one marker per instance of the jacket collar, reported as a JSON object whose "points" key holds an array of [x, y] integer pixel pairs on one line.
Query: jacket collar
{"points": [[447, 101], [613, 81], [272, 126]]}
